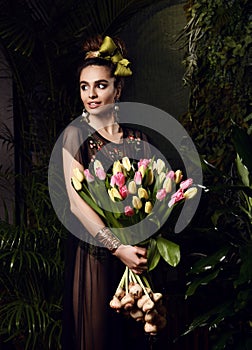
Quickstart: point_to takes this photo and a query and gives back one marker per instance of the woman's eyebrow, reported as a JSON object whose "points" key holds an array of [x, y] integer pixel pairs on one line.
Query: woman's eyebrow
{"points": [[96, 82]]}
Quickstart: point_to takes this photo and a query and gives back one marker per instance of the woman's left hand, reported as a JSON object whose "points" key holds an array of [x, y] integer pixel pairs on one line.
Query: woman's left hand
{"points": [[133, 256]]}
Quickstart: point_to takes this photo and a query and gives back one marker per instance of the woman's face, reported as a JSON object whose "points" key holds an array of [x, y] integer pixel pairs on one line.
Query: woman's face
{"points": [[97, 88]]}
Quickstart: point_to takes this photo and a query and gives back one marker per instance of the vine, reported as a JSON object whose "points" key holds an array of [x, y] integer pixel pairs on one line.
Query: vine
{"points": [[218, 36]]}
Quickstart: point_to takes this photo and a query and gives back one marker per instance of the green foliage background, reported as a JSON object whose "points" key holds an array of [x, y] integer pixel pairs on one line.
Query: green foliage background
{"points": [[218, 72], [41, 42]]}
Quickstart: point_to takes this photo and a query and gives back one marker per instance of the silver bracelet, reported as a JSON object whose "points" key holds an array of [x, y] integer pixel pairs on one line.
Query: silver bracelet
{"points": [[106, 237]]}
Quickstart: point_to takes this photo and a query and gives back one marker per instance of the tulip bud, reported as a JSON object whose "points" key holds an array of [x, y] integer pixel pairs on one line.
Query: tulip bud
{"points": [[97, 164], [117, 167], [161, 194], [132, 187], [126, 163], [88, 175], [178, 176], [100, 173], [171, 175], [114, 193], [123, 191], [78, 174], [138, 178], [160, 165], [167, 185], [142, 193], [190, 193], [136, 202], [128, 211], [148, 207], [150, 177], [141, 169], [185, 184], [76, 183]]}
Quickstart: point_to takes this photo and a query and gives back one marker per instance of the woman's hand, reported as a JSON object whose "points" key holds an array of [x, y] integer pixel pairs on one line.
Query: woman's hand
{"points": [[132, 256]]}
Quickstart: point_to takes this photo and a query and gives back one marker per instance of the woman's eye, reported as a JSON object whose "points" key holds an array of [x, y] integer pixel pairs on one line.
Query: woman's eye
{"points": [[84, 87], [101, 86]]}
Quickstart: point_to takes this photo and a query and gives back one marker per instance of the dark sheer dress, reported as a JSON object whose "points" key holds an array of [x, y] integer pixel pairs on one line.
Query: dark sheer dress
{"points": [[92, 273]]}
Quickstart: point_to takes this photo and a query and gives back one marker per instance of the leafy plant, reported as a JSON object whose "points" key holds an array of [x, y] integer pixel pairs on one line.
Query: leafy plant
{"points": [[218, 66], [218, 41], [41, 43], [224, 273]]}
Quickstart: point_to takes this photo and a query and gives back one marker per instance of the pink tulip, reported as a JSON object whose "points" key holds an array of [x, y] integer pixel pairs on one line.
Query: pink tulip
{"points": [[176, 197], [143, 162], [123, 191], [100, 173], [185, 184], [171, 175], [138, 177], [161, 194], [89, 177], [117, 179], [128, 211]]}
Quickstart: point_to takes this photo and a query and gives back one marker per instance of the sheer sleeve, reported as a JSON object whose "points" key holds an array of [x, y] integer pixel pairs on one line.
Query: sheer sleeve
{"points": [[74, 142]]}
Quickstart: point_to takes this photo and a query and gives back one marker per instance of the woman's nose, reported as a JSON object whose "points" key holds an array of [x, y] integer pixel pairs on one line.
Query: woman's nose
{"points": [[92, 93]]}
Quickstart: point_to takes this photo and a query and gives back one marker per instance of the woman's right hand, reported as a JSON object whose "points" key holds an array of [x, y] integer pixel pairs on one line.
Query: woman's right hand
{"points": [[133, 256]]}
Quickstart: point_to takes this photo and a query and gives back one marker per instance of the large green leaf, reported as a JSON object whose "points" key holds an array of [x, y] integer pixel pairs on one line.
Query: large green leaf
{"points": [[169, 251], [193, 286], [153, 255]]}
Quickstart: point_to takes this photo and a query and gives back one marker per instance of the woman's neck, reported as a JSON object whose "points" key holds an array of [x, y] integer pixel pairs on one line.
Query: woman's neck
{"points": [[107, 127]]}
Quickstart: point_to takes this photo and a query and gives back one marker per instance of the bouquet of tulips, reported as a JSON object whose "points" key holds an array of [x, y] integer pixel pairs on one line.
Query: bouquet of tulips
{"points": [[135, 198]]}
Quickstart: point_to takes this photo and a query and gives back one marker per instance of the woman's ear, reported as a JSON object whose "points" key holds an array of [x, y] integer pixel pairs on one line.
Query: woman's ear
{"points": [[118, 91], [118, 94]]}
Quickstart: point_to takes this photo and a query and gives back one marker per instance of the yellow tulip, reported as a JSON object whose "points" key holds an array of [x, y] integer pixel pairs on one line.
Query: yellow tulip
{"points": [[160, 165], [114, 193], [117, 167], [136, 202], [76, 183], [142, 170], [178, 176], [142, 193], [190, 193], [148, 207], [150, 177], [167, 185], [79, 175], [126, 163], [132, 188]]}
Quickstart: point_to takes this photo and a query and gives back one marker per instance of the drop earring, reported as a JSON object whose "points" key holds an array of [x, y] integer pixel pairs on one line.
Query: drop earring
{"points": [[85, 116], [116, 111]]}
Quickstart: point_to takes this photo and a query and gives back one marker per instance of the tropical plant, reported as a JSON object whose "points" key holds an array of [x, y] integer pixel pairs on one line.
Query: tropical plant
{"points": [[218, 40], [223, 271], [41, 43]]}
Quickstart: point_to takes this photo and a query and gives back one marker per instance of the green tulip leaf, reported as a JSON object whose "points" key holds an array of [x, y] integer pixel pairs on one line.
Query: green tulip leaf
{"points": [[169, 251], [153, 255]]}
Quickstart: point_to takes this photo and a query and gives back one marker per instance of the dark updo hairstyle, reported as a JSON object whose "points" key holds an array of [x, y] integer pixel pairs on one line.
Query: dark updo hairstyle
{"points": [[93, 44]]}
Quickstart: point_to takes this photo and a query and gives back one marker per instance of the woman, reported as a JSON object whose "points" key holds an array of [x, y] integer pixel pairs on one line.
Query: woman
{"points": [[97, 261]]}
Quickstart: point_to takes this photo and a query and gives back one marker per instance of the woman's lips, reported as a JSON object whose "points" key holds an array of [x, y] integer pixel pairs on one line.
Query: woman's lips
{"points": [[93, 105]]}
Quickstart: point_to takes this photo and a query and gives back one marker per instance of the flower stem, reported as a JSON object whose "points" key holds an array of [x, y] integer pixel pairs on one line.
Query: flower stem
{"points": [[142, 285], [146, 282], [126, 280], [122, 282], [133, 276]]}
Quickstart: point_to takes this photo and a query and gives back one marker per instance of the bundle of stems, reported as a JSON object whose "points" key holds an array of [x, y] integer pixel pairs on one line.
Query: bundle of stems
{"points": [[135, 298]]}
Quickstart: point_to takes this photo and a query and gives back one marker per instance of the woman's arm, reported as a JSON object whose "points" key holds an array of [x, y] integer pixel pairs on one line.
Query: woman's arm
{"points": [[133, 257]]}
